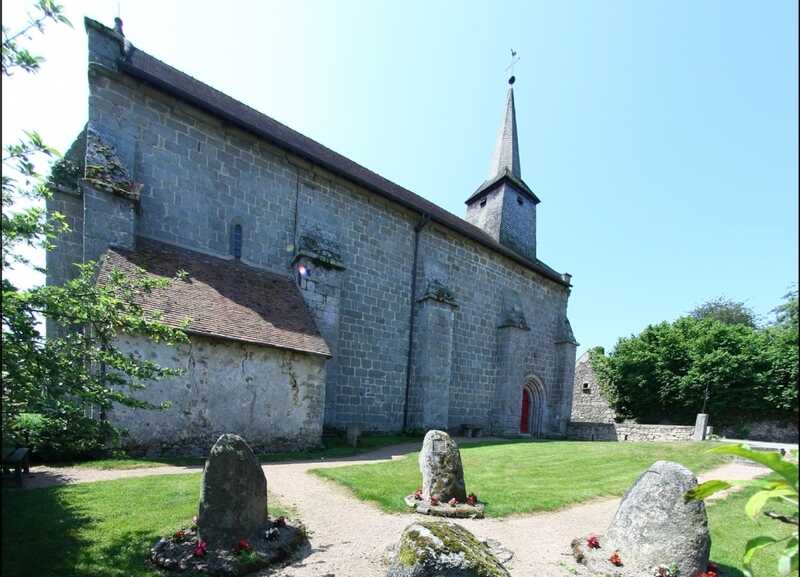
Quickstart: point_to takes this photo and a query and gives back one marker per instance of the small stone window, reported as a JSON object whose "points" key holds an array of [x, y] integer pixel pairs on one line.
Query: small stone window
{"points": [[483, 203], [236, 241], [520, 201], [587, 389]]}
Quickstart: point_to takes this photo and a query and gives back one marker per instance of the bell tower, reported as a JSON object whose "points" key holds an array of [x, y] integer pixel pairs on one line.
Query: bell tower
{"points": [[504, 206]]}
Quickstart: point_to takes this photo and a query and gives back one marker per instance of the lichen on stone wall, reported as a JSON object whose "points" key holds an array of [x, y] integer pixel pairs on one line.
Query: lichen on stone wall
{"points": [[512, 313], [321, 248], [436, 290], [105, 171]]}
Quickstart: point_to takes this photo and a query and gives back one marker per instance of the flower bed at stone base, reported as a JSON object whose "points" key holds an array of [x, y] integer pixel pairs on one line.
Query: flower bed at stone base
{"points": [[186, 551], [469, 509]]}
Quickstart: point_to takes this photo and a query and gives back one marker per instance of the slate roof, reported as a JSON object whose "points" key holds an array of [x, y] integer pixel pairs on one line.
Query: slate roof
{"points": [[504, 176], [506, 150], [179, 84], [222, 298]]}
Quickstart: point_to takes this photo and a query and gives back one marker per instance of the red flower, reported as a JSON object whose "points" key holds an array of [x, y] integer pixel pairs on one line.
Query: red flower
{"points": [[280, 521], [200, 548], [179, 535], [418, 494], [242, 545], [434, 500], [472, 499], [592, 542], [709, 572], [453, 502], [615, 559]]}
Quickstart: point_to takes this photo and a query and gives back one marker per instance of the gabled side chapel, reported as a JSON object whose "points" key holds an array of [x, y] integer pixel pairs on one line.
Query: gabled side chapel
{"points": [[318, 292]]}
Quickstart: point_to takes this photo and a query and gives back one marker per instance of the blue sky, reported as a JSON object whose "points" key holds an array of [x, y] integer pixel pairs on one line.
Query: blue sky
{"points": [[661, 137]]}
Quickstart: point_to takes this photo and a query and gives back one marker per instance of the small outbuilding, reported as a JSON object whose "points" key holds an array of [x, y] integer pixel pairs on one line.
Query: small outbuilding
{"points": [[254, 363]]}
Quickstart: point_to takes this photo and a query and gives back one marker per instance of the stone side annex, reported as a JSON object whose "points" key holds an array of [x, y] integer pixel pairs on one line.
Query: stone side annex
{"points": [[432, 322]]}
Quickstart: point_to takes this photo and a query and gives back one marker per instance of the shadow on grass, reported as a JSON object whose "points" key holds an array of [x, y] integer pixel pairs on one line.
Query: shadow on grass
{"points": [[41, 533], [729, 571]]}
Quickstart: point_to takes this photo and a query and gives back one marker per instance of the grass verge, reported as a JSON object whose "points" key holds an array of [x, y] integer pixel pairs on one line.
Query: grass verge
{"points": [[103, 529], [523, 477], [731, 529]]}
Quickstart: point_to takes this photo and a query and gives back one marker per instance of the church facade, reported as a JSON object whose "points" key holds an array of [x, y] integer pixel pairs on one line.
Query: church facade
{"points": [[318, 292]]}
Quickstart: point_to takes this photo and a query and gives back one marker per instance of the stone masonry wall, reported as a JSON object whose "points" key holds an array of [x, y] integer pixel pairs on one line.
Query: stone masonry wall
{"points": [[628, 432], [273, 398], [519, 222], [588, 404], [68, 247], [478, 279], [771, 431], [200, 175]]}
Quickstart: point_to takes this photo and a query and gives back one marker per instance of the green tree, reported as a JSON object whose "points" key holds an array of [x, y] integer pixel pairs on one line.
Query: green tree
{"points": [[725, 311], [54, 388], [786, 312], [666, 370]]}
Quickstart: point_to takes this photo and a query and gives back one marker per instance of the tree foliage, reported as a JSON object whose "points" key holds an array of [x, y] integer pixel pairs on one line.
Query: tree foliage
{"points": [[666, 370], [726, 311], [56, 390]]}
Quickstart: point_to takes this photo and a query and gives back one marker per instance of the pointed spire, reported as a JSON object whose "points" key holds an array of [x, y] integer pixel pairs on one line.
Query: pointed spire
{"points": [[506, 151]]}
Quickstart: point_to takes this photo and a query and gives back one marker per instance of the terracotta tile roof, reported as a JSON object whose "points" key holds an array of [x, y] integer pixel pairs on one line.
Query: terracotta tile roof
{"points": [[223, 298], [141, 65]]}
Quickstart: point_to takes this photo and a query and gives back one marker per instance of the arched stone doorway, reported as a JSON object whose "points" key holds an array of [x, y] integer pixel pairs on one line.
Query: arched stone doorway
{"points": [[532, 407]]}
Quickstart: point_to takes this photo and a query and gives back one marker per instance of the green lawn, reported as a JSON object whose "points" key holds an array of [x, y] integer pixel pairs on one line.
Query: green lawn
{"points": [[105, 529], [731, 529], [522, 477], [102, 529], [334, 449]]}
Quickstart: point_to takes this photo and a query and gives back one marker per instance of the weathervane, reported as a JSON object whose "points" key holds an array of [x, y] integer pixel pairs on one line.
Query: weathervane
{"points": [[510, 67]]}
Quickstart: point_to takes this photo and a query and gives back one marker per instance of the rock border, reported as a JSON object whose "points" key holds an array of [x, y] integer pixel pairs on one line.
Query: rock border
{"points": [[457, 511], [273, 545]]}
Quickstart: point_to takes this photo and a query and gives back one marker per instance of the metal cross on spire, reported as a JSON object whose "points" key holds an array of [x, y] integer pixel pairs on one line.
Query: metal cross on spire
{"points": [[510, 67]]}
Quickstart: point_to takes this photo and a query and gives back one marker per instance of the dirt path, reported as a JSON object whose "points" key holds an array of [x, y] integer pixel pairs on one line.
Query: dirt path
{"points": [[349, 537]]}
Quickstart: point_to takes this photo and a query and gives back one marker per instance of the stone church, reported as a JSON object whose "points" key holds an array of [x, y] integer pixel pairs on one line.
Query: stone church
{"points": [[317, 292]]}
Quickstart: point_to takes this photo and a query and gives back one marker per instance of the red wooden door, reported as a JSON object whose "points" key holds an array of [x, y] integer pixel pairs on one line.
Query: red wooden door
{"points": [[524, 420]]}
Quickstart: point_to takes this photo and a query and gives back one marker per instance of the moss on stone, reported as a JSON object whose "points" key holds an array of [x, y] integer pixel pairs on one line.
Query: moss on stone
{"points": [[419, 548], [64, 175], [105, 171]]}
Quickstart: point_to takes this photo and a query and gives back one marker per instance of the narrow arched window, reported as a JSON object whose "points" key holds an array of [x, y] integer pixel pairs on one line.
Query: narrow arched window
{"points": [[236, 241]]}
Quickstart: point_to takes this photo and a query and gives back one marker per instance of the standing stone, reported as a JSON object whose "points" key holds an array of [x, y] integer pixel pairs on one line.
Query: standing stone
{"points": [[440, 465], [654, 525], [440, 549], [233, 503], [700, 427]]}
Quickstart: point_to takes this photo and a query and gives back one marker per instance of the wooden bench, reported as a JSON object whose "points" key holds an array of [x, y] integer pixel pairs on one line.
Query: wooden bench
{"points": [[18, 459], [471, 430]]}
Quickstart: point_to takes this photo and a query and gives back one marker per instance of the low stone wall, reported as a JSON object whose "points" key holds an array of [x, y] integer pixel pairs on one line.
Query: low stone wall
{"points": [[586, 431], [771, 431]]}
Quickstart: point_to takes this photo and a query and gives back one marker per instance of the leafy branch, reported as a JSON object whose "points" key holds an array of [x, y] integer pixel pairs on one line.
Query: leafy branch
{"points": [[15, 56], [785, 488]]}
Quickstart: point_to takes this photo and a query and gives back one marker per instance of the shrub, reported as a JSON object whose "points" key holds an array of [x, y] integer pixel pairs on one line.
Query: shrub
{"points": [[68, 436]]}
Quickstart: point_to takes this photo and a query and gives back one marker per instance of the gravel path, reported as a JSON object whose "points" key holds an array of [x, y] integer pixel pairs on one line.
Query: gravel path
{"points": [[349, 537]]}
